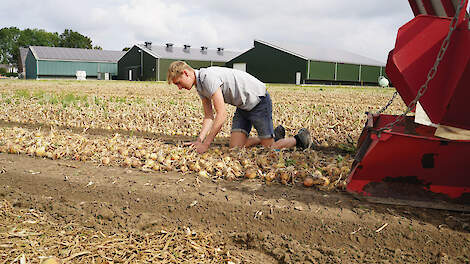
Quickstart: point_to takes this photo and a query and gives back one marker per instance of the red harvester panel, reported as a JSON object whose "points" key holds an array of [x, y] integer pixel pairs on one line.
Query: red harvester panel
{"points": [[408, 163], [416, 48]]}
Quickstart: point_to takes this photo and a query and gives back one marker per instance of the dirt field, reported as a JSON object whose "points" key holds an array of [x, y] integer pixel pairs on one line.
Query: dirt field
{"points": [[83, 211], [253, 222]]}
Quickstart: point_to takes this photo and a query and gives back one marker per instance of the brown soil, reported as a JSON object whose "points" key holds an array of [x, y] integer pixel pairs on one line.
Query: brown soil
{"points": [[255, 222]]}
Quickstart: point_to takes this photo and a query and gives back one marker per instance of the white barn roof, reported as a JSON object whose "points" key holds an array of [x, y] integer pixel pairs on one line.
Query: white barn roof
{"points": [[327, 54], [74, 54], [191, 53]]}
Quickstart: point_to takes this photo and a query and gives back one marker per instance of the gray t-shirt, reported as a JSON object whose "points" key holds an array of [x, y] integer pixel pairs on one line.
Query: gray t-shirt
{"points": [[238, 87]]}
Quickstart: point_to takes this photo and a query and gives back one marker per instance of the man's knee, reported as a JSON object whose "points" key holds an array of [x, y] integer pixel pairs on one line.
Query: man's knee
{"points": [[237, 139]]}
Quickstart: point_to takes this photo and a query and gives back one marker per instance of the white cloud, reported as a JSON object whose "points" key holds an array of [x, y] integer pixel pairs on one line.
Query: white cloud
{"points": [[366, 27]]}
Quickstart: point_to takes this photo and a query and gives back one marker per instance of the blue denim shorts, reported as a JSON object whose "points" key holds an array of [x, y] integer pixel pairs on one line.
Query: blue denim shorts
{"points": [[260, 117]]}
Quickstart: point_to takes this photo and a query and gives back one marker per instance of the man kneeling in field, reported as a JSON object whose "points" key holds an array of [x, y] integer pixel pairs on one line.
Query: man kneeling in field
{"points": [[217, 86]]}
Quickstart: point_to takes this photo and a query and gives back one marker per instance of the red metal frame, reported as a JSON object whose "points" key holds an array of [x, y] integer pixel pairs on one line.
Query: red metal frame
{"points": [[409, 162], [410, 155], [429, 8], [414, 7], [416, 48], [448, 7]]}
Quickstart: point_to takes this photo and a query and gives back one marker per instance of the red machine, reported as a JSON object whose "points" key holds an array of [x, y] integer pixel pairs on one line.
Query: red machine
{"points": [[421, 164]]}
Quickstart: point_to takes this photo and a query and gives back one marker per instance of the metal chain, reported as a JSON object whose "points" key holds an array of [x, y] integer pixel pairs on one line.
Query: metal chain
{"points": [[432, 72], [388, 104]]}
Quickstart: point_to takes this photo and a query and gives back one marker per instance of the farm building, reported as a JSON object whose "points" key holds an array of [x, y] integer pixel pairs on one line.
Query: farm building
{"points": [[22, 60], [287, 63], [54, 62], [151, 62]]}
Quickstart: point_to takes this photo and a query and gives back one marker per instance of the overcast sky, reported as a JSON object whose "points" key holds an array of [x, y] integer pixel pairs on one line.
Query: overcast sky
{"points": [[365, 27]]}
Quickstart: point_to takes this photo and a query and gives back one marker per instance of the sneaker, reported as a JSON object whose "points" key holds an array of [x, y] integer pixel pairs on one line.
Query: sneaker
{"points": [[303, 139], [279, 132]]}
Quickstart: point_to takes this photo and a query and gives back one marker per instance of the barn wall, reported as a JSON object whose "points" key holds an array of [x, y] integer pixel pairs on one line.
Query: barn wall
{"points": [[130, 61], [370, 73], [31, 67], [321, 70], [198, 64], [149, 67], [219, 63], [347, 72], [271, 65], [69, 68]]}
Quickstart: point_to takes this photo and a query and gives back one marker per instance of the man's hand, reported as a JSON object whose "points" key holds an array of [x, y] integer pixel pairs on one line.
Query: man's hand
{"points": [[192, 143], [200, 147]]}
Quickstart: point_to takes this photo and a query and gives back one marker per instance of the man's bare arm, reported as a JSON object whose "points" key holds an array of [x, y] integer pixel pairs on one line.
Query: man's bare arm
{"points": [[207, 120], [220, 117]]}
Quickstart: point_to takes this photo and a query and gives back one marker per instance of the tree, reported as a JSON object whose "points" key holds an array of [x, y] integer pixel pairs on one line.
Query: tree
{"points": [[12, 38], [8, 44], [38, 37], [72, 39]]}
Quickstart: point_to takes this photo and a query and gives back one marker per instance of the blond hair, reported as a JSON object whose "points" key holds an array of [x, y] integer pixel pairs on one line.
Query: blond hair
{"points": [[176, 69]]}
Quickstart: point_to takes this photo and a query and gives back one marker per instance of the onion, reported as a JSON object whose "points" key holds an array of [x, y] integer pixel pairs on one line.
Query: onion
{"points": [[319, 179], [308, 181], [245, 162], [124, 152], [156, 167], [250, 173], [203, 174], [174, 156], [41, 151], [127, 162], [31, 151], [184, 169], [220, 165], [195, 167], [136, 163], [149, 163], [284, 177], [105, 160], [270, 176]]}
